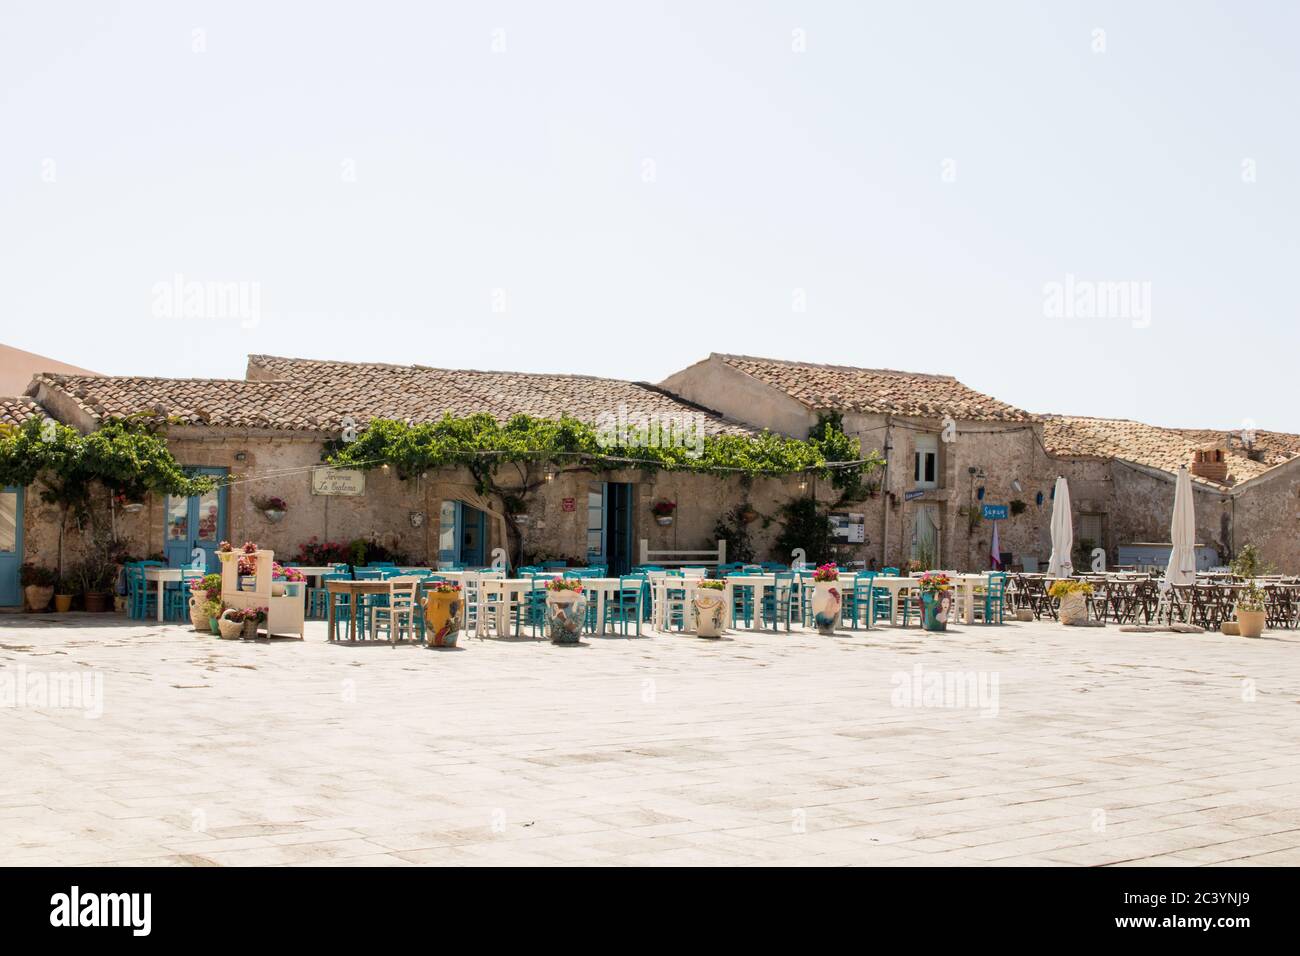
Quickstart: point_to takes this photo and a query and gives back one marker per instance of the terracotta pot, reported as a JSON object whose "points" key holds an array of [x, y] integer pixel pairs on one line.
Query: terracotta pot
{"points": [[566, 612], [826, 604], [98, 601], [1230, 628], [62, 603], [444, 616], [709, 605], [1250, 623], [38, 597]]}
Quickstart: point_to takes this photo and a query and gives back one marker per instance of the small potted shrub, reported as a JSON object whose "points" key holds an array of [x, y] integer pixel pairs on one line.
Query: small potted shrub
{"points": [[1250, 610], [281, 576], [936, 600], [96, 579], [444, 612], [663, 511], [826, 599], [254, 617], [247, 566], [1073, 596], [709, 606], [566, 610], [38, 585], [212, 609]]}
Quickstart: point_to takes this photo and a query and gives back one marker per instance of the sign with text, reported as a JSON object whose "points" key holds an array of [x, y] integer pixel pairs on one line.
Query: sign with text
{"points": [[995, 512], [913, 495], [569, 504], [338, 481]]}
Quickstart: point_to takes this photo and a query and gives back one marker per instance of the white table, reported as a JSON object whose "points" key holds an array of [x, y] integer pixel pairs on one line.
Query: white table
{"points": [[161, 578]]}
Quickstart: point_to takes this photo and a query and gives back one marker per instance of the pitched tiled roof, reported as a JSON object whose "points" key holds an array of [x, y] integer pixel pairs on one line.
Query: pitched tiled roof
{"points": [[15, 411], [881, 391], [305, 395], [421, 393], [1166, 448]]}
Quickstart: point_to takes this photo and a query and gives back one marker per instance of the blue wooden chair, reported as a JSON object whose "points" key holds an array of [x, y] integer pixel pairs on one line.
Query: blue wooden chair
{"points": [[995, 592], [742, 599], [626, 605], [141, 600], [778, 600], [318, 598], [860, 600], [380, 564], [176, 599]]}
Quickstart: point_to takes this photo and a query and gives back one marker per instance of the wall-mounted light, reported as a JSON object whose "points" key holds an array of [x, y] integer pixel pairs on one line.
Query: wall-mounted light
{"points": [[803, 482], [1038, 499], [550, 475], [979, 492], [241, 456]]}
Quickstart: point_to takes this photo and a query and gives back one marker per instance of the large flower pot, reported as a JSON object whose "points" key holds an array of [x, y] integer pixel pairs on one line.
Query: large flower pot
{"points": [[826, 604], [63, 603], [98, 601], [934, 610], [1074, 608], [565, 613], [444, 614], [709, 605], [38, 597], [198, 617], [1250, 623]]}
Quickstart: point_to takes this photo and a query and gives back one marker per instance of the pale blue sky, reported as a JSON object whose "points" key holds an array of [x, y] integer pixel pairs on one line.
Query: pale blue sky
{"points": [[775, 171]]}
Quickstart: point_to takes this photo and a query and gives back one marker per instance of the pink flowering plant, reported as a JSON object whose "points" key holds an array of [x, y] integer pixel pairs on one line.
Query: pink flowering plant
{"points": [[564, 584], [826, 572], [444, 587]]}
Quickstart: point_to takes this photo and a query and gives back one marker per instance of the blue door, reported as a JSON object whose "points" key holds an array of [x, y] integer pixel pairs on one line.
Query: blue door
{"points": [[195, 526], [462, 535], [609, 525], [11, 545]]}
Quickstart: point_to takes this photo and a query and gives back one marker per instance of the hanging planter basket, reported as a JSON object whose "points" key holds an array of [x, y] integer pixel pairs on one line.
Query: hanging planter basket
{"points": [[274, 515]]}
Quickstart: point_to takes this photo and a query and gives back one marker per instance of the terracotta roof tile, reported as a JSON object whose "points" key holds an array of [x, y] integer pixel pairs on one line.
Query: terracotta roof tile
{"points": [[881, 391], [307, 395], [1166, 448], [15, 411]]}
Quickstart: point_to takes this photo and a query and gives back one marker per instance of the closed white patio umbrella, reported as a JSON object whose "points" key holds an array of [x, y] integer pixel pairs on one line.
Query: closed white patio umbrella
{"points": [[1061, 565], [1182, 532]]}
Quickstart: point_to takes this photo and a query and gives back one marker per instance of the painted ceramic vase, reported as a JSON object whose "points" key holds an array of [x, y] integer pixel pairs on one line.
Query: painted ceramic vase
{"points": [[934, 610], [198, 616], [566, 611], [826, 604], [444, 615], [709, 605]]}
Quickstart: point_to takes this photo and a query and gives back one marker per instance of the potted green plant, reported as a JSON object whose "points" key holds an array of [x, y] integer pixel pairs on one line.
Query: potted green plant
{"points": [[38, 585], [1073, 596], [826, 599], [1250, 610], [709, 606], [936, 600], [212, 609], [566, 610], [94, 578]]}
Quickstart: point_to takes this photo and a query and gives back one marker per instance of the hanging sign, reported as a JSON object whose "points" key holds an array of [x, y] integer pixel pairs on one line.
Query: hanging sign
{"points": [[338, 481]]}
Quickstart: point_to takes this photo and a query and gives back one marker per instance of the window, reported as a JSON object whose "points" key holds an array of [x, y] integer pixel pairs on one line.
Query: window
{"points": [[925, 461], [1092, 528]]}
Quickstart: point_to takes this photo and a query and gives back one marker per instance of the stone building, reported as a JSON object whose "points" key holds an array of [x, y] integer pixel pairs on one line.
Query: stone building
{"points": [[948, 451]]}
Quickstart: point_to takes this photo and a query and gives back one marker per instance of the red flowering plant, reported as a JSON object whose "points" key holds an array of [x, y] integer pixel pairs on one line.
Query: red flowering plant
{"points": [[663, 508], [444, 587], [826, 572], [934, 582]]}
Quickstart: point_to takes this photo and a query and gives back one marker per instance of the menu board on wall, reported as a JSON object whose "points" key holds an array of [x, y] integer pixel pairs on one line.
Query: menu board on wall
{"points": [[338, 481]]}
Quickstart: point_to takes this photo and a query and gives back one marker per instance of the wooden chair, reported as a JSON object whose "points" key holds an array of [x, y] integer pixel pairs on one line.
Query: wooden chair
{"points": [[396, 616]]}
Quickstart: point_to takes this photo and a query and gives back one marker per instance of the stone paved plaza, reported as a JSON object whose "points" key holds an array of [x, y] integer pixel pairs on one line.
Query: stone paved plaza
{"points": [[1086, 746]]}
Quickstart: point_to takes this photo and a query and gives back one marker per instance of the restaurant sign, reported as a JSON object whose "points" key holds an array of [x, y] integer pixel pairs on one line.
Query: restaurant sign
{"points": [[995, 512], [338, 481], [913, 495]]}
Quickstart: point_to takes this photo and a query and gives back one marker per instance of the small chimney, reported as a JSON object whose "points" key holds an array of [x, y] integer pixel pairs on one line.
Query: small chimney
{"points": [[1210, 463]]}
